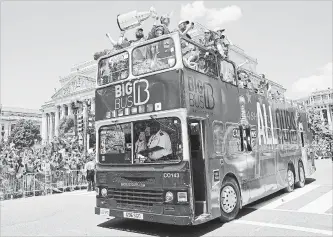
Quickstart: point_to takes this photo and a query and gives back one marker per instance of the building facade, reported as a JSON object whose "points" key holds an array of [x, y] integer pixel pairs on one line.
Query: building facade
{"points": [[74, 98], [322, 100], [9, 117]]}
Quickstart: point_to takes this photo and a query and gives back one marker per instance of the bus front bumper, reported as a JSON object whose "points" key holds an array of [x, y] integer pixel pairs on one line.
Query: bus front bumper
{"points": [[151, 217]]}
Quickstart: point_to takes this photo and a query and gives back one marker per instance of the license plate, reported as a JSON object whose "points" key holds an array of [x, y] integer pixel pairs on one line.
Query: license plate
{"points": [[132, 215], [104, 212]]}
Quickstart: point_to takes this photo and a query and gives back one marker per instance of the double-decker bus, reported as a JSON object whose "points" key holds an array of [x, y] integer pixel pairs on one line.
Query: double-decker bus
{"points": [[178, 142]]}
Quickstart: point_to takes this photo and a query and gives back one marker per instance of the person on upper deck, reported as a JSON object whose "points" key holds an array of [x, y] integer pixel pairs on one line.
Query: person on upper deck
{"points": [[208, 40], [139, 37], [161, 25], [222, 42], [201, 66], [184, 27]]}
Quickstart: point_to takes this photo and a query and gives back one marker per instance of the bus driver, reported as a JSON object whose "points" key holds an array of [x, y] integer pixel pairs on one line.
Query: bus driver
{"points": [[159, 144]]}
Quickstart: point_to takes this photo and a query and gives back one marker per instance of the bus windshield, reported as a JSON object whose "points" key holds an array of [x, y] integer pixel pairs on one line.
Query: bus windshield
{"points": [[113, 69], [154, 57], [145, 141]]}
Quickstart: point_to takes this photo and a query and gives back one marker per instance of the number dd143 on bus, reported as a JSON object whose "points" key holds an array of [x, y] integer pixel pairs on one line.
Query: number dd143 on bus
{"points": [[178, 142]]}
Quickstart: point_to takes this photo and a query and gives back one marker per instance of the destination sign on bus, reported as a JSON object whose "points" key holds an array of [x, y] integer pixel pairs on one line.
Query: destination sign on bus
{"points": [[149, 94]]}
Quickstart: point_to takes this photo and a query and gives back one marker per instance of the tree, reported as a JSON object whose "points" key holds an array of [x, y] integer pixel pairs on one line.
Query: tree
{"points": [[320, 131], [66, 125], [319, 127], [24, 134]]}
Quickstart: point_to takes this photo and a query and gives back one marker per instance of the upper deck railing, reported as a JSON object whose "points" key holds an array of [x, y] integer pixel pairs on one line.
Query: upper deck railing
{"points": [[140, 59], [170, 52]]}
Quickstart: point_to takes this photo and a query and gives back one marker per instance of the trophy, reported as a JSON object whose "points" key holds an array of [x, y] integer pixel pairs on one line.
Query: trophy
{"points": [[134, 19]]}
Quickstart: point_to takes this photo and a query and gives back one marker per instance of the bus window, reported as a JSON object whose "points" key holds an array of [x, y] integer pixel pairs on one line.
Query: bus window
{"points": [[154, 141], [218, 137], [154, 57], [227, 72], [278, 135], [302, 139], [115, 144], [113, 69], [293, 135], [199, 59], [245, 138], [157, 140], [285, 137]]}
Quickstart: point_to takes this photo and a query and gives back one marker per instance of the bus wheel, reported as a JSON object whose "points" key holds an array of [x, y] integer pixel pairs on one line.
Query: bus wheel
{"points": [[301, 174], [229, 200], [290, 179]]}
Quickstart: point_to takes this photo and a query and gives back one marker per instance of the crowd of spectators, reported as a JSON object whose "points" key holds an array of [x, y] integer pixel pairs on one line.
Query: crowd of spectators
{"points": [[59, 159]]}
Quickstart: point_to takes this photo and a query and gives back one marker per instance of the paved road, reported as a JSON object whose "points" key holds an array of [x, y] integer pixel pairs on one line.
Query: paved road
{"points": [[304, 212]]}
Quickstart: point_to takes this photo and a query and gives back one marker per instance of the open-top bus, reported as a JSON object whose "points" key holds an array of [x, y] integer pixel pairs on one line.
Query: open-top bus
{"points": [[181, 143]]}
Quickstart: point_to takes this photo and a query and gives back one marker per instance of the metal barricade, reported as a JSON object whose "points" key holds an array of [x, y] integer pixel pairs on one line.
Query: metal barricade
{"points": [[70, 180], [42, 183], [11, 186]]}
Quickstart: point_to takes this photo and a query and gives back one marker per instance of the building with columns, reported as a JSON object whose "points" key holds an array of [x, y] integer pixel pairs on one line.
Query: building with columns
{"points": [[322, 100], [72, 99], [9, 117]]}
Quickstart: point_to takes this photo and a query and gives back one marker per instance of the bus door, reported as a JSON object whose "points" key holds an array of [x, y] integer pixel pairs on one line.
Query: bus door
{"points": [[197, 151]]}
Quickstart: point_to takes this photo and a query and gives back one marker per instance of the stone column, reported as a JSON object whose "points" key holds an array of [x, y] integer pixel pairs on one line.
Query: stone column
{"points": [[329, 119], [7, 125], [48, 128], [63, 111], [9, 129], [93, 104], [85, 118], [70, 109], [321, 115], [51, 127], [44, 128], [56, 122]]}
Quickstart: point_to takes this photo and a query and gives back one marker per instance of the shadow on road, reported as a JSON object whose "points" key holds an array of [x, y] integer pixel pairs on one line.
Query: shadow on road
{"points": [[309, 180], [279, 194], [164, 230]]}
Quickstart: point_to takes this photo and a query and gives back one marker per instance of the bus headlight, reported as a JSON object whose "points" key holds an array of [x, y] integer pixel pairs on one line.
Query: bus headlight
{"points": [[182, 196], [169, 197], [104, 192], [97, 191]]}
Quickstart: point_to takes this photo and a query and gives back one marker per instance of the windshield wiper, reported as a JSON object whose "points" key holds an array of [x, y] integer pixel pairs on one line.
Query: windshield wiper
{"points": [[152, 117]]}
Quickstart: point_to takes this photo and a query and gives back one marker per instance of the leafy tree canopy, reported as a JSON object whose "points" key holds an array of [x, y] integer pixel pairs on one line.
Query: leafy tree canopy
{"points": [[66, 125], [24, 134]]}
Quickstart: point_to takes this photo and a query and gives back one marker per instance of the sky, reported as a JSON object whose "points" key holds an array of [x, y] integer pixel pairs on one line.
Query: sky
{"points": [[42, 40]]}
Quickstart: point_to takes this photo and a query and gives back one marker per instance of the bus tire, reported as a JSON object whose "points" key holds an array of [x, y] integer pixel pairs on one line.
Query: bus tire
{"points": [[230, 200], [290, 179], [301, 175]]}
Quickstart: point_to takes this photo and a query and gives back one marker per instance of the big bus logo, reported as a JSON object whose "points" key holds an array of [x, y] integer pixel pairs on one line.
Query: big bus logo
{"points": [[201, 94], [131, 93]]}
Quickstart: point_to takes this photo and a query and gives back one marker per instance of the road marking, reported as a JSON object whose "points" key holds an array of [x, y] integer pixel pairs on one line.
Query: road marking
{"points": [[85, 193], [291, 196], [293, 211], [288, 227], [320, 205]]}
